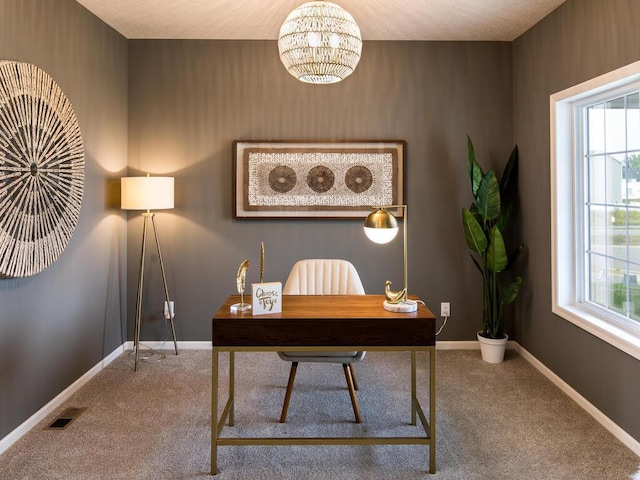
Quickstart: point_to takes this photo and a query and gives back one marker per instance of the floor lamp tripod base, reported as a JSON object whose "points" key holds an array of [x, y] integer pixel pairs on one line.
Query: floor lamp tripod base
{"points": [[136, 338], [405, 306]]}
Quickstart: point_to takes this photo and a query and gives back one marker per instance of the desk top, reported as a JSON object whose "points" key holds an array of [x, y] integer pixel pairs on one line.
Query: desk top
{"points": [[323, 321]]}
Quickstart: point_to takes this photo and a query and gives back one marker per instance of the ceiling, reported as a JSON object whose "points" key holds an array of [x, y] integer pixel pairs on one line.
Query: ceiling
{"points": [[498, 20]]}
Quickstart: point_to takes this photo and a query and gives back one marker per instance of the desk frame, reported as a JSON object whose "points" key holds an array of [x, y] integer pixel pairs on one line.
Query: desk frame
{"points": [[227, 414]]}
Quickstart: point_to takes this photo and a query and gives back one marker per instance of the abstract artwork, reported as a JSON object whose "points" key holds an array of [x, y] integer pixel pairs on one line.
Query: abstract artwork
{"points": [[41, 170], [316, 180]]}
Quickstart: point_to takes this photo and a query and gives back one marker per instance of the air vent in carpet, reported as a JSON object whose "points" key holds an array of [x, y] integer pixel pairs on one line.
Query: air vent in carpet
{"points": [[63, 420]]}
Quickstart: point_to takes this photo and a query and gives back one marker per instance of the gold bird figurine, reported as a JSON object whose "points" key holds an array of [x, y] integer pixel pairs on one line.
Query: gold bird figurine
{"points": [[394, 297]]}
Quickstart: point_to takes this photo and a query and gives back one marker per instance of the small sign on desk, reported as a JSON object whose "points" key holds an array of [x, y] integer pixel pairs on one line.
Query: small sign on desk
{"points": [[266, 297]]}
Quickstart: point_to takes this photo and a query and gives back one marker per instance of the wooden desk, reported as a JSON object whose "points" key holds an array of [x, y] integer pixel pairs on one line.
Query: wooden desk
{"points": [[322, 323]]}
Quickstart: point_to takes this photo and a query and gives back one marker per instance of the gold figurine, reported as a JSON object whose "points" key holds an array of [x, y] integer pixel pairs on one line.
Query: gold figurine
{"points": [[261, 262], [394, 297], [240, 284]]}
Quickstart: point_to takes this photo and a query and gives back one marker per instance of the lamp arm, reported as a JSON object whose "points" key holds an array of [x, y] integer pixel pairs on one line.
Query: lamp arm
{"points": [[406, 288], [404, 233]]}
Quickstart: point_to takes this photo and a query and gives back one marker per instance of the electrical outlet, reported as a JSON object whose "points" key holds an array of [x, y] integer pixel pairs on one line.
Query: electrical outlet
{"points": [[169, 310], [445, 309]]}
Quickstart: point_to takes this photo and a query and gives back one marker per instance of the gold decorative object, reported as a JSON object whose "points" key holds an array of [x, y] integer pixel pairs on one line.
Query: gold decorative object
{"points": [[394, 297], [41, 170], [381, 227], [261, 262], [240, 285]]}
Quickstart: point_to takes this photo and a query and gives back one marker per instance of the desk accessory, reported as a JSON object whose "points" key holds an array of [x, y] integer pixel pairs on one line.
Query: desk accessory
{"points": [[266, 297], [381, 227], [240, 285]]}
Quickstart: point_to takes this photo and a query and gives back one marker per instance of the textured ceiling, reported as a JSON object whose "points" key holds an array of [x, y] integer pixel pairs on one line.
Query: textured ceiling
{"points": [[501, 20]]}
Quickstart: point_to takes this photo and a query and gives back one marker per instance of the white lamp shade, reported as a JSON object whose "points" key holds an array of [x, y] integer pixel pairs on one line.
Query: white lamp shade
{"points": [[146, 193], [381, 235]]}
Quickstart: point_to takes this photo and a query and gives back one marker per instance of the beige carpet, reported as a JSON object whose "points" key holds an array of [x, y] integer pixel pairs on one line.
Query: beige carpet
{"points": [[493, 422]]}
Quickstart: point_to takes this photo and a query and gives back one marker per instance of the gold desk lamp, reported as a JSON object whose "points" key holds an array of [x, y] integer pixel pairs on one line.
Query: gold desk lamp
{"points": [[148, 193], [381, 227]]}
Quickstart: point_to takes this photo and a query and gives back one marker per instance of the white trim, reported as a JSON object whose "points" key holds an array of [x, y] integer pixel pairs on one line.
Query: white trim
{"points": [[450, 345], [566, 300], [468, 345], [37, 417], [168, 345], [600, 417]]}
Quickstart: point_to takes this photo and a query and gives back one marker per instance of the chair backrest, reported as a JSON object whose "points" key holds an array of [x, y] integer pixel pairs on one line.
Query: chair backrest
{"points": [[323, 277]]}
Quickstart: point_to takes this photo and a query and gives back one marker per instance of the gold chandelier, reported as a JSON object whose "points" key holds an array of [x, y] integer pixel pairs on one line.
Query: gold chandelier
{"points": [[320, 42]]}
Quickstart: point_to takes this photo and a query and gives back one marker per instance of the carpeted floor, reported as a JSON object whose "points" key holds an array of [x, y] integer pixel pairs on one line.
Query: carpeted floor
{"points": [[493, 422]]}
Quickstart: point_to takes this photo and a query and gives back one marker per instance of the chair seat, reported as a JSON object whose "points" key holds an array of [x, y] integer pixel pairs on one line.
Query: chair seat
{"points": [[326, 357]]}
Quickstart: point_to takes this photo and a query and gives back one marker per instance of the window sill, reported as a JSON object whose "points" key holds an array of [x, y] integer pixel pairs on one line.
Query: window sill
{"points": [[614, 335]]}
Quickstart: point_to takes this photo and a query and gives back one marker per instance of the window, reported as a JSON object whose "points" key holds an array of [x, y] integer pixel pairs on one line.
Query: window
{"points": [[595, 189]]}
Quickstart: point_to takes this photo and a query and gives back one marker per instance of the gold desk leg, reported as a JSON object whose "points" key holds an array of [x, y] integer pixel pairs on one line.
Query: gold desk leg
{"points": [[232, 372], [432, 410], [214, 411], [413, 388]]}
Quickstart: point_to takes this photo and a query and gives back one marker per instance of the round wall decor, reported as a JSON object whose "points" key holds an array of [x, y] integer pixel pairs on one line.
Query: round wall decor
{"points": [[41, 170]]}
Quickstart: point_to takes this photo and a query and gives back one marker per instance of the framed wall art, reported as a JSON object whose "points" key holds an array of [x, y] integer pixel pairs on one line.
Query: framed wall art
{"points": [[316, 180], [41, 170]]}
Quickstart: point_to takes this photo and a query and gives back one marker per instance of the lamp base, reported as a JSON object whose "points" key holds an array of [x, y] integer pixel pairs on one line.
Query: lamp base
{"points": [[240, 307], [406, 306]]}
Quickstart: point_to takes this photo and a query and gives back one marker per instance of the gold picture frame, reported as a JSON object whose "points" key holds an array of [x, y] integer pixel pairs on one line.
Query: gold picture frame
{"points": [[297, 179]]}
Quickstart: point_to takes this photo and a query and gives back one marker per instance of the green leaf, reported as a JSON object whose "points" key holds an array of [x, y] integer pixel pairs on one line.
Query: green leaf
{"points": [[476, 263], [510, 171], [514, 255], [488, 197], [511, 291], [496, 251], [476, 239], [504, 217], [473, 167]]}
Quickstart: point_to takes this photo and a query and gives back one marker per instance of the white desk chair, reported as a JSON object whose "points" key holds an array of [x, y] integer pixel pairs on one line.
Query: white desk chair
{"points": [[323, 277]]}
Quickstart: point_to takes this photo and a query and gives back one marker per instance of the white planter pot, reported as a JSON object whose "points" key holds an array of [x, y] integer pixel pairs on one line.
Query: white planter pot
{"points": [[492, 349]]}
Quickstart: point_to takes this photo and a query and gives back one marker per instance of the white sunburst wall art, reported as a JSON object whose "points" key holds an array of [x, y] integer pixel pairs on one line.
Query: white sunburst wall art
{"points": [[41, 170]]}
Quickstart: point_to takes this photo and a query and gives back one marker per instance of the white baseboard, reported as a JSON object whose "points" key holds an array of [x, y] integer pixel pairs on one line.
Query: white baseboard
{"points": [[600, 417], [168, 345], [37, 417], [469, 345]]}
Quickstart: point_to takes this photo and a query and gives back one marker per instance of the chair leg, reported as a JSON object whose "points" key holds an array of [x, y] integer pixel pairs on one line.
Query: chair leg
{"points": [[287, 397], [352, 392], [353, 376]]}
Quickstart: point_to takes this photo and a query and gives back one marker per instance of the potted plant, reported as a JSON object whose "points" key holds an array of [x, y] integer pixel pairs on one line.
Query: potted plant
{"points": [[484, 223]]}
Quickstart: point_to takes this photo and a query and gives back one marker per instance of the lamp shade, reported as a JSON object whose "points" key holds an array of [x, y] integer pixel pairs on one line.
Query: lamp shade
{"points": [[146, 193], [381, 226], [320, 42]]}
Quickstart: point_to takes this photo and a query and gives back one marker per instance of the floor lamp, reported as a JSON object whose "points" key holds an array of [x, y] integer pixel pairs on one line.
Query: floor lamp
{"points": [[148, 193]]}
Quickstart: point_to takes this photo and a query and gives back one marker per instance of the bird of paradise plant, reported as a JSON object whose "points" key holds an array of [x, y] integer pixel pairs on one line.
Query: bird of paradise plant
{"points": [[484, 223]]}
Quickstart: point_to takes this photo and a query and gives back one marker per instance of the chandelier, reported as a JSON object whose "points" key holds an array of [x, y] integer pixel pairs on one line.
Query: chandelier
{"points": [[319, 42]]}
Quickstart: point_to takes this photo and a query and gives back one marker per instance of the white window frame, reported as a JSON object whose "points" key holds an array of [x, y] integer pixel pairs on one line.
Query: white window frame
{"points": [[565, 221]]}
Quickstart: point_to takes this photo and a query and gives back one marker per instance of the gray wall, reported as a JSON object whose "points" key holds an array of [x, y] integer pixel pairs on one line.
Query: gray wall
{"points": [[579, 41], [189, 100], [58, 324]]}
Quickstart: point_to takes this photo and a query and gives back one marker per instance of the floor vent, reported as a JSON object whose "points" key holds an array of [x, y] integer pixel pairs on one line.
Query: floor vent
{"points": [[63, 420]]}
